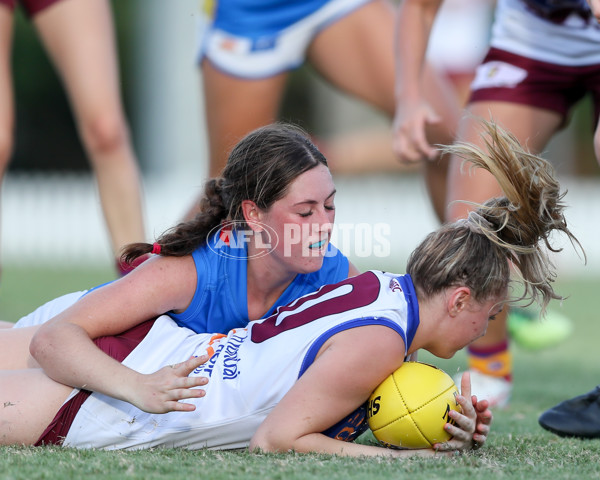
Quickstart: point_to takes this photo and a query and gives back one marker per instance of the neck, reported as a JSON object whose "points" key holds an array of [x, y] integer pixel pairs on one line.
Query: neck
{"points": [[266, 281], [429, 321]]}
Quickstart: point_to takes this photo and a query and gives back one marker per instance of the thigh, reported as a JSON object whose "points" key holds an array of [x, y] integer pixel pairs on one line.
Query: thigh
{"points": [[533, 127], [79, 37], [356, 54], [14, 348], [30, 401], [235, 106]]}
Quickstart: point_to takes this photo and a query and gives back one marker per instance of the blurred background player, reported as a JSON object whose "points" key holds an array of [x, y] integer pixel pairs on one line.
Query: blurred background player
{"points": [[249, 48], [544, 58], [458, 42], [578, 416], [78, 36]]}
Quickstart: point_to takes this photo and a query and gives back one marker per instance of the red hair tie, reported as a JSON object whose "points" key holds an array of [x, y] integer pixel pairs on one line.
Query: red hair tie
{"points": [[156, 248]]}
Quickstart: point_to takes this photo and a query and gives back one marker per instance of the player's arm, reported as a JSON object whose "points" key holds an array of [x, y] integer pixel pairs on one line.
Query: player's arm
{"points": [[347, 370], [413, 26], [64, 348], [340, 380]]}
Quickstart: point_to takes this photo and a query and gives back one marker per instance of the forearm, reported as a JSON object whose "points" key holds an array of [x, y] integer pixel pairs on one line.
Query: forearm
{"points": [[319, 443], [413, 26], [69, 356]]}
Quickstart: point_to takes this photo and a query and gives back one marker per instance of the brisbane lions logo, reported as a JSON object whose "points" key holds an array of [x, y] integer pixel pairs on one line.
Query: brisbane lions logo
{"points": [[395, 285]]}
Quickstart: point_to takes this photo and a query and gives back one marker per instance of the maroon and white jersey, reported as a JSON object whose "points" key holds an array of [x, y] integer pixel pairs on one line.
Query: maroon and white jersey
{"points": [[571, 39], [249, 370]]}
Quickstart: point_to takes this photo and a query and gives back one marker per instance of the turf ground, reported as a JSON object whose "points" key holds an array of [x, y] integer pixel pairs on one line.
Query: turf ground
{"points": [[517, 448]]}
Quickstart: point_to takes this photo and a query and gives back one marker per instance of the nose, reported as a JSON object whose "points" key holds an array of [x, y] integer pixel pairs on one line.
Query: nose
{"points": [[325, 221]]}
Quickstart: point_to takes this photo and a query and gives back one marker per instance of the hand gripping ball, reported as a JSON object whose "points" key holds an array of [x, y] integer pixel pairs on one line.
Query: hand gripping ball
{"points": [[410, 407]]}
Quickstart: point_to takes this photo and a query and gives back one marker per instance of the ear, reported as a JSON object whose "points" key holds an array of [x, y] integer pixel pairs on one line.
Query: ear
{"points": [[252, 215], [458, 300]]}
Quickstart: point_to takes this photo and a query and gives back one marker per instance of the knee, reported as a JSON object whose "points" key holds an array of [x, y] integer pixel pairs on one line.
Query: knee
{"points": [[105, 134]]}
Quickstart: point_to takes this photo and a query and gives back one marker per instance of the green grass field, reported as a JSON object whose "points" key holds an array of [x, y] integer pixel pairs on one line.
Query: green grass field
{"points": [[517, 448]]}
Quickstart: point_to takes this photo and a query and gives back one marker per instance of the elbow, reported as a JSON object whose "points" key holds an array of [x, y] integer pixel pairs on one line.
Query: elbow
{"points": [[40, 342], [262, 442]]}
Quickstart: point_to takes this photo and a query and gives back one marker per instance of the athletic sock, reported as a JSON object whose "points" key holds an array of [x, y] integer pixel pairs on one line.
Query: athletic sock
{"points": [[493, 360]]}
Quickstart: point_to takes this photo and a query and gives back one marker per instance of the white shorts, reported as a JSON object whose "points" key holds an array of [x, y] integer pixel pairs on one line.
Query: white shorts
{"points": [[49, 310], [266, 42]]}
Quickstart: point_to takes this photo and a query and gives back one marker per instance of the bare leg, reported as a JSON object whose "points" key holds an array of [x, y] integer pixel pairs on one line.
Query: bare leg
{"points": [[233, 108], [356, 54], [14, 348], [29, 400], [6, 91], [78, 35], [533, 127]]}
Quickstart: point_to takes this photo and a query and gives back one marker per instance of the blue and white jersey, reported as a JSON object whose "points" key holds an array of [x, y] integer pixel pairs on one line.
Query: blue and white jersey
{"points": [[250, 369], [521, 28]]}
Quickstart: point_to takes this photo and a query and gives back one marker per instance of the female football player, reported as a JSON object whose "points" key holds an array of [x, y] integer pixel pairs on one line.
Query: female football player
{"points": [[544, 57], [261, 241], [248, 49], [299, 377]]}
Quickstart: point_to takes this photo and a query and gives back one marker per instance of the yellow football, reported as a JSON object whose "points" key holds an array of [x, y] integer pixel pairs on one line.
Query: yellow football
{"points": [[410, 407]]}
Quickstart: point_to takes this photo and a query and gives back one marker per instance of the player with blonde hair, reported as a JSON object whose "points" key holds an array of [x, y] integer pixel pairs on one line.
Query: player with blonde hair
{"points": [[543, 58], [298, 378]]}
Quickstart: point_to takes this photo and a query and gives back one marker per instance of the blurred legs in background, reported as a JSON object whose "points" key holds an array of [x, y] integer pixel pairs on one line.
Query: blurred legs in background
{"points": [[355, 54], [79, 38]]}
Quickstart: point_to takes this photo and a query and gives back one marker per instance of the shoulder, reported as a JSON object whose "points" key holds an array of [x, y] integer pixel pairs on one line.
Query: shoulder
{"points": [[174, 279], [370, 352]]}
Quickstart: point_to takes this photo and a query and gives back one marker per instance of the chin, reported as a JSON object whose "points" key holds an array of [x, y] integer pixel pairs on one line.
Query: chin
{"points": [[445, 354], [311, 266]]}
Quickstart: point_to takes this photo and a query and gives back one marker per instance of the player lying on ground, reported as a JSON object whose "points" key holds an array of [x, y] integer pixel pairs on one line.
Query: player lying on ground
{"points": [[291, 380]]}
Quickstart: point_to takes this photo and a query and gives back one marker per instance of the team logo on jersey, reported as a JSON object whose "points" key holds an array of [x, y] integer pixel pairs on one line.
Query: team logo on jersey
{"points": [[230, 240], [395, 285], [496, 74]]}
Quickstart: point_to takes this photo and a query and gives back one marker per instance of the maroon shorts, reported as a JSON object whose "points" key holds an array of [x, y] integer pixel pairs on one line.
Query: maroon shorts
{"points": [[118, 347], [506, 77], [31, 7]]}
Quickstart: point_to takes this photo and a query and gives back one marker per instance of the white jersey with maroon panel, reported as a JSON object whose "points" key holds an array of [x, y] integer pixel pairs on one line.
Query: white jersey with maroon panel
{"points": [[250, 369]]}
